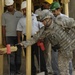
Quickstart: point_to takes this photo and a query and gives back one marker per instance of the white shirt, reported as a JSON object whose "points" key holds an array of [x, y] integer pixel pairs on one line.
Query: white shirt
{"points": [[62, 15], [36, 25]]}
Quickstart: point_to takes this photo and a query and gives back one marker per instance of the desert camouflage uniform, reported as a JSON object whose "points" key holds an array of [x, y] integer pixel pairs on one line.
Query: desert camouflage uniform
{"points": [[69, 27], [61, 33], [47, 54]]}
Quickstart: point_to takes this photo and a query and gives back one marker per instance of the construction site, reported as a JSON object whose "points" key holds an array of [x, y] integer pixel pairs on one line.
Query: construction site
{"points": [[68, 8]]}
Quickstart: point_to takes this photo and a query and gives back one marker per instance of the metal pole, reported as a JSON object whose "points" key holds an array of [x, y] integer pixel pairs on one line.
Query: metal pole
{"points": [[28, 36]]}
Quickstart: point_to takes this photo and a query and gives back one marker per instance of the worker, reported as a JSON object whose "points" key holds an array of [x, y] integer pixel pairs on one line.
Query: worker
{"points": [[9, 23], [56, 10], [21, 30], [58, 37], [45, 5]]}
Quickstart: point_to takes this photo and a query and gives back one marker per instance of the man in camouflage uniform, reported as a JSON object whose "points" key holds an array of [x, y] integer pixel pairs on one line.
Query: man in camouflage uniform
{"points": [[47, 53], [61, 34], [56, 10]]}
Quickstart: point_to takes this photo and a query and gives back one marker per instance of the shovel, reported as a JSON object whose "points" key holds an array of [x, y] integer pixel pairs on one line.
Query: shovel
{"points": [[40, 73]]}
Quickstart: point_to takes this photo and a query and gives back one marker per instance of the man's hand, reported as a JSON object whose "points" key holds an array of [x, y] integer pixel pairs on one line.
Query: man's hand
{"points": [[19, 44]]}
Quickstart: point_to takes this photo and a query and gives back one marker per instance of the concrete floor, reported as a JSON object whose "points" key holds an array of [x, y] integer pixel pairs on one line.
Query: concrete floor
{"points": [[6, 66]]}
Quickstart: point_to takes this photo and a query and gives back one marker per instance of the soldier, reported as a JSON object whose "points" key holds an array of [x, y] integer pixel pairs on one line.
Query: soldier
{"points": [[56, 10], [47, 53], [61, 36]]}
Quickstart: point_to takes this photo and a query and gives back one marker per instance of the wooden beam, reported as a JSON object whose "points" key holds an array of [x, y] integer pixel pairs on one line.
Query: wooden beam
{"points": [[28, 36], [1, 11], [64, 1], [1, 56], [66, 7], [1, 64]]}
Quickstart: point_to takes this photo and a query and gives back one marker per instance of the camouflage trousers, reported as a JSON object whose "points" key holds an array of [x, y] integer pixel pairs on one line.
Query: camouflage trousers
{"points": [[63, 63], [47, 54], [74, 59]]}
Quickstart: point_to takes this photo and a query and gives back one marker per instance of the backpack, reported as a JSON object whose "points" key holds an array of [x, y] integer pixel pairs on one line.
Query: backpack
{"points": [[67, 24]]}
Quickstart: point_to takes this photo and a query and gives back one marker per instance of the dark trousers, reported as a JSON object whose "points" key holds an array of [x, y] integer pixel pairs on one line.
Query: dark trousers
{"points": [[37, 51], [15, 57]]}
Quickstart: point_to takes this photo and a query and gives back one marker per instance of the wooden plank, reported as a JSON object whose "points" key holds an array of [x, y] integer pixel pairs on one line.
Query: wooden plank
{"points": [[1, 64], [23, 53], [28, 36], [1, 11], [1, 56], [64, 1], [66, 9]]}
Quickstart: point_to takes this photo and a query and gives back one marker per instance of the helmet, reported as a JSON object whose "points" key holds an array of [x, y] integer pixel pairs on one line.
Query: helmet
{"points": [[45, 14], [49, 1], [23, 5], [9, 2], [55, 5]]}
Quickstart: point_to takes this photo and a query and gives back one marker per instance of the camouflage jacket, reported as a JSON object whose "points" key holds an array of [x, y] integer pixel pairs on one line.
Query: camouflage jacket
{"points": [[61, 31]]}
